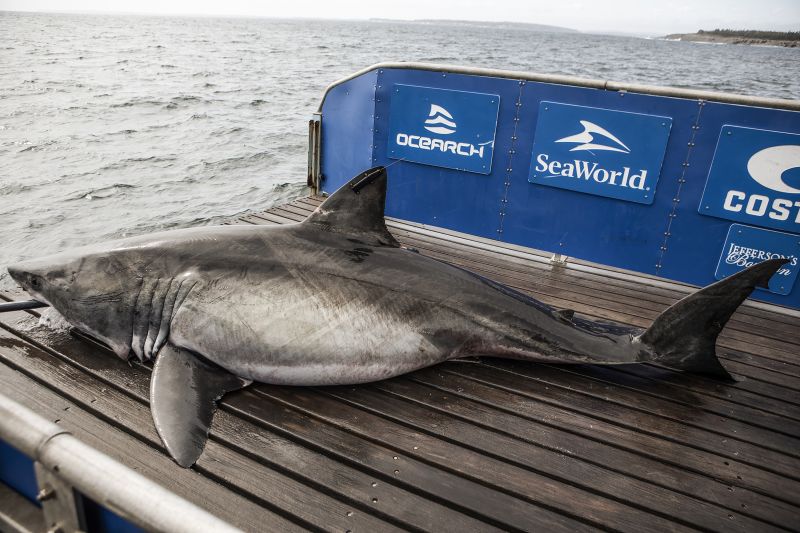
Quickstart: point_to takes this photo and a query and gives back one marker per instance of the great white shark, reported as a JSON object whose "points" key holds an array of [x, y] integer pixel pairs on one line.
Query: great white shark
{"points": [[332, 300]]}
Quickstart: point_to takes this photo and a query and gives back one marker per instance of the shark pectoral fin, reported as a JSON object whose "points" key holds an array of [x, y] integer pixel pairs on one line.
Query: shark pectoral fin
{"points": [[183, 393]]}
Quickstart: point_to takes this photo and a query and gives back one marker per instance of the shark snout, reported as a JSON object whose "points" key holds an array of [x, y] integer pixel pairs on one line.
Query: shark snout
{"points": [[29, 278]]}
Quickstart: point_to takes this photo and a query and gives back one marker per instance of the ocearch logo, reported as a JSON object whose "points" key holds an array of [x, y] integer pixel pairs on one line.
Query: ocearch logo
{"points": [[767, 167], [440, 121]]}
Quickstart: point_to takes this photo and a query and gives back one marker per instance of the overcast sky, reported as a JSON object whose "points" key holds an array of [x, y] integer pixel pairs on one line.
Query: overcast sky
{"points": [[632, 16]]}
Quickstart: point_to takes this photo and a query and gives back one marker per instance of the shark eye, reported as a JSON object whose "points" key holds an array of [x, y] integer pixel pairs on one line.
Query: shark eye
{"points": [[35, 282]]}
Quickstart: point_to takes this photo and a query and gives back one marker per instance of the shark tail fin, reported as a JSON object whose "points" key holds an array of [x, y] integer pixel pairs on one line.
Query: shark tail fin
{"points": [[685, 335]]}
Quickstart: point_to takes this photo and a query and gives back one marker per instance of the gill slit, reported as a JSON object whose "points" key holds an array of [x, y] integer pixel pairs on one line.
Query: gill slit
{"points": [[135, 311], [167, 311], [143, 338]]}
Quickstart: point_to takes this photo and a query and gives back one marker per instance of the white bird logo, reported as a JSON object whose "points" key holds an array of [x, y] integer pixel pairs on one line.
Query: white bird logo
{"points": [[768, 165], [439, 115], [586, 140]]}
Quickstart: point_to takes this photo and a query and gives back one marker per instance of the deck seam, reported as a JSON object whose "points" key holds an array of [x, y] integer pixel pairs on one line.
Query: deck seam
{"points": [[554, 450]]}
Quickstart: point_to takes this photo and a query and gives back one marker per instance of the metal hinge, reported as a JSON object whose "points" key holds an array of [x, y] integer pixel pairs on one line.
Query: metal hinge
{"points": [[314, 180]]}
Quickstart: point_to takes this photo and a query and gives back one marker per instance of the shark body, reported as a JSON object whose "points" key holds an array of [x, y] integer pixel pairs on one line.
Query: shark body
{"points": [[332, 300]]}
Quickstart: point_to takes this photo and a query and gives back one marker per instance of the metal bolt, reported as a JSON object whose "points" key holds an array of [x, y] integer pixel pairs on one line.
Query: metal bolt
{"points": [[45, 494]]}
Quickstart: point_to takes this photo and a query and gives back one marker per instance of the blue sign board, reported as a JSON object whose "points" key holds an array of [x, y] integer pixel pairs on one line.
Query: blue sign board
{"points": [[755, 178], [599, 151], [746, 246], [443, 128]]}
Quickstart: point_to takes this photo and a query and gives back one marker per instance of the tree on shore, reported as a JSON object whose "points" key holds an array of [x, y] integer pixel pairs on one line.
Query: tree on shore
{"points": [[754, 34]]}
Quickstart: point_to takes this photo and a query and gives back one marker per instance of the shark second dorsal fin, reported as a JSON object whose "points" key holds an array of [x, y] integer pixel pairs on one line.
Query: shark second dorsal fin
{"points": [[357, 208]]}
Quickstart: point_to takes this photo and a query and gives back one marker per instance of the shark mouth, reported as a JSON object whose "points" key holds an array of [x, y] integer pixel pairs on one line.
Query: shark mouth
{"points": [[585, 140], [439, 115]]}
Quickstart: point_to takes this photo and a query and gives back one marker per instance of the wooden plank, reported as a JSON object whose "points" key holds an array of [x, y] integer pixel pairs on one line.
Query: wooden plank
{"points": [[659, 439], [611, 375], [518, 482], [385, 462], [265, 486], [685, 413], [483, 405], [420, 415], [130, 451]]}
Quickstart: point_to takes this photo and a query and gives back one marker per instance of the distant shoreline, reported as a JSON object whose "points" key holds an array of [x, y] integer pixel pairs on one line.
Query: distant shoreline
{"points": [[724, 39]]}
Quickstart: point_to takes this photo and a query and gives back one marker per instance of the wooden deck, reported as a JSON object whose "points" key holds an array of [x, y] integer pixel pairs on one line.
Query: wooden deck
{"points": [[466, 446]]}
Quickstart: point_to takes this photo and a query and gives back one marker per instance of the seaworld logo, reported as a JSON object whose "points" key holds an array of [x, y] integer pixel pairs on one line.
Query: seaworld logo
{"points": [[602, 152], [440, 121], [586, 140], [587, 170]]}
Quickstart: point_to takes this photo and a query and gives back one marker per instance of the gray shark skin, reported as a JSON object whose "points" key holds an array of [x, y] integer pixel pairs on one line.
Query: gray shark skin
{"points": [[330, 301]]}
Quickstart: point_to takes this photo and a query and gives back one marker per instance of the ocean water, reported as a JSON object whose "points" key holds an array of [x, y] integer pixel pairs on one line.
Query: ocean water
{"points": [[113, 126]]}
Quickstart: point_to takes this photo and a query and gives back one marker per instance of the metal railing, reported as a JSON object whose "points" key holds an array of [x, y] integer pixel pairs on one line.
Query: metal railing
{"points": [[675, 92], [64, 465], [315, 139]]}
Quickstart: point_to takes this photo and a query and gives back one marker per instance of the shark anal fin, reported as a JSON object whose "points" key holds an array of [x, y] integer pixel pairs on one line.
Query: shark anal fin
{"points": [[183, 394]]}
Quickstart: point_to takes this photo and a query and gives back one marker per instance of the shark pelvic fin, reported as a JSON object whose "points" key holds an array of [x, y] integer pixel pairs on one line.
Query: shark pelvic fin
{"points": [[183, 395], [357, 208], [685, 335], [566, 314]]}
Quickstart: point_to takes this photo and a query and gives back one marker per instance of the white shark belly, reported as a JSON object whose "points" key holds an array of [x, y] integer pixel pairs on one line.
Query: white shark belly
{"points": [[292, 332]]}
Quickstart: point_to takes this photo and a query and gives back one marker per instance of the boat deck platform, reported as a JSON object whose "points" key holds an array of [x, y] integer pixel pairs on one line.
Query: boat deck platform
{"points": [[466, 446]]}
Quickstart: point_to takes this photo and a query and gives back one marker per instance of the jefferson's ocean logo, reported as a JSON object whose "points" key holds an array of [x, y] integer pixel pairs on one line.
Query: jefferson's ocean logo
{"points": [[746, 246], [755, 178], [599, 151], [585, 140], [443, 128], [440, 121]]}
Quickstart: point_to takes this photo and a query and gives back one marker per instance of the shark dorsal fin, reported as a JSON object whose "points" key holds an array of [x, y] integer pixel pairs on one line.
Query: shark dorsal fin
{"points": [[357, 208]]}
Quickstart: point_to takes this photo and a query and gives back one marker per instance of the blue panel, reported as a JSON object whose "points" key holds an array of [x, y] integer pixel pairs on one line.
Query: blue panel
{"points": [[745, 246], [347, 122], [443, 128], [16, 471], [598, 151], [693, 246], [755, 178], [444, 197], [101, 520], [600, 229], [668, 238]]}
